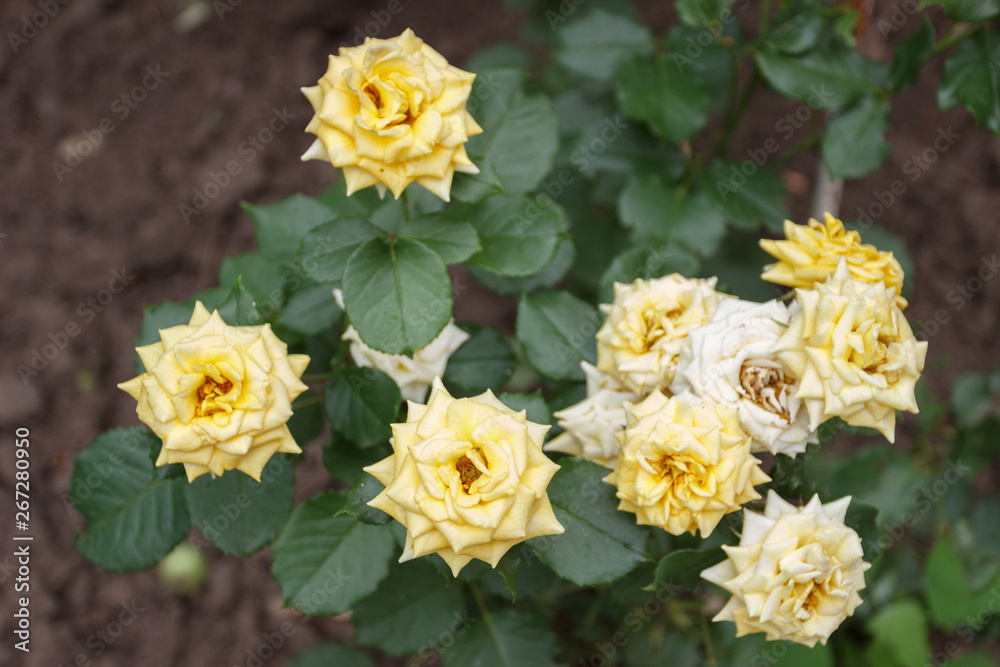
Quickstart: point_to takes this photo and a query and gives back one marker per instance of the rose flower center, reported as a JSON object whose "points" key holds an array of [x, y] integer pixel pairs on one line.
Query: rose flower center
{"points": [[755, 381], [209, 393], [467, 472], [654, 321]]}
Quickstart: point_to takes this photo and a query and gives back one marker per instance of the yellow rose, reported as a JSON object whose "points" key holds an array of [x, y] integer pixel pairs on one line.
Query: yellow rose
{"points": [[647, 327], [218, 396], [811, 254], [684, 466], [795, 574], [467, 478], [853, 352], [390, 112]]}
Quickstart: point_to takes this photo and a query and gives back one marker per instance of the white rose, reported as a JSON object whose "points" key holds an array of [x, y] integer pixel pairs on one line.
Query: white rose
{"points": [[795, 574], [590, 425], [413, 375], [732, 361]]}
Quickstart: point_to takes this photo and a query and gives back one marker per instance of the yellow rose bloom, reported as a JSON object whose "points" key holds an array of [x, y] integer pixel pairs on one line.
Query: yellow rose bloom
{"points": [[853, 352], [795, 574], [218, 396], [647, 327], [390, 112], [810, 254], [684, 466], [467, 478]]}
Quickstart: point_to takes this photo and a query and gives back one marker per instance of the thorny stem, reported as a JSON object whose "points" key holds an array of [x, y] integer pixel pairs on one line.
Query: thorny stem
{"points": [[406, 206]]}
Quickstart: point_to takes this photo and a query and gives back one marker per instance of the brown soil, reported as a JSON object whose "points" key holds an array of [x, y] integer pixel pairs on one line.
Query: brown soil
{"points": [[63, 236]]}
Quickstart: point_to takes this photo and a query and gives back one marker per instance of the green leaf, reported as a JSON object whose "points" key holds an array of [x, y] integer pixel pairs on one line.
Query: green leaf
{"points": [[598, 42], [966, 10], [507, 638], [311, 311], [658, 211], [326, 563], [326, 248], [134, 517], [358, 205], [356, 503], [670, 99], [361, 403], [951, 595], [238, 514], [332, 653], [974, 398], [712, 63], [747, 200], [398, 295], [451, 238], [863, 518], [414, 606], [557, 332], [484, 361], [911, 56], [797, 29], [240, 308], [646, 263], [262, 277], [823, 79], [701, 13], [473, 188], [854, 143], [549, 276], [345, 460], [972, 74], [500, 54], [538, 411], [683, 567], [901, 628], [281, 226], [512, 120], [601, 543], [306, 422], [518, 234]]}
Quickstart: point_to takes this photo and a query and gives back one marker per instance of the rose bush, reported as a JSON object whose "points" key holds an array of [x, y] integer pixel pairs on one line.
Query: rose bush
{"points": [[608, 199]]}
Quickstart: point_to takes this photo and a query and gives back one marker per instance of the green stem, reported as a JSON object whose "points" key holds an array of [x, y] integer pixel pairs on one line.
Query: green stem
{"points": [[737, 108], [311, 399], [406, 206], [764, 18], [955, 33], [706, 638]]}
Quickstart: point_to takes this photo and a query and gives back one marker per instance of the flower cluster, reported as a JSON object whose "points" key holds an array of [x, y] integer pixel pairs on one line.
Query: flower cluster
{"points": [[689, 383]]}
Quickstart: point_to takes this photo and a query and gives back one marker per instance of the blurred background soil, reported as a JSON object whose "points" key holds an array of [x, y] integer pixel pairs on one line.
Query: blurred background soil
{"points": [[66, 231]]}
